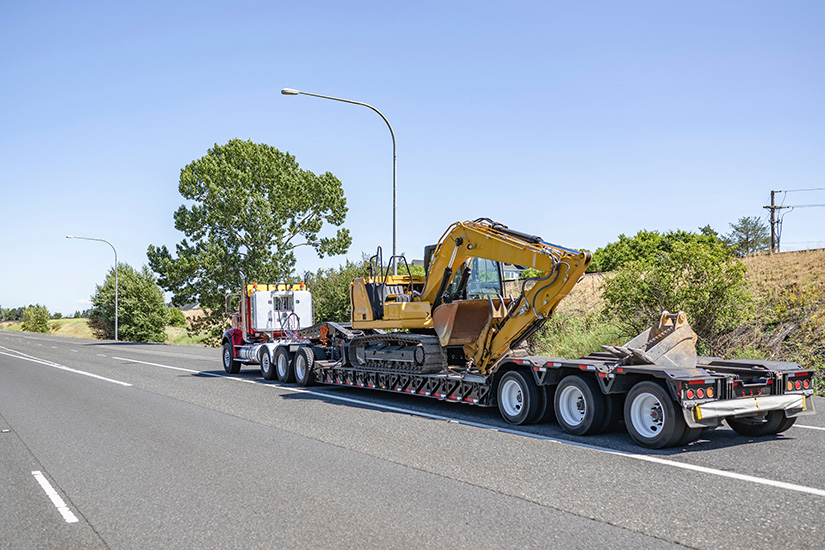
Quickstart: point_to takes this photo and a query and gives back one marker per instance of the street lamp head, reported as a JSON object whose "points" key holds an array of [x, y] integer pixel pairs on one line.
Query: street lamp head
{"points": [[290, 91], [69, 237]]}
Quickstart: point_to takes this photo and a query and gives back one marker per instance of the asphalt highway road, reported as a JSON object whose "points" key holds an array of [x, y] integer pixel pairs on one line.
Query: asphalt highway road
{"points": [[116, 445]]}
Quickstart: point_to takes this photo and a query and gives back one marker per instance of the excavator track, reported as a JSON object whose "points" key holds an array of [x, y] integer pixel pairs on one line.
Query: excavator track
{"points": [[397, 353]]}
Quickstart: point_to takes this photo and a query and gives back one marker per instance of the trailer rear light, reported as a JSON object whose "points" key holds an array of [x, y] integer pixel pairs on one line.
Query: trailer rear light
{"points": [[790, 385], [710, 392], [691, 394], [806, 384], [700, 393], [798, 385]]}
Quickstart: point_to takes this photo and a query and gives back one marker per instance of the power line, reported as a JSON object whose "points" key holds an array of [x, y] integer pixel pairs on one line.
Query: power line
{"points": [[799, 190]]}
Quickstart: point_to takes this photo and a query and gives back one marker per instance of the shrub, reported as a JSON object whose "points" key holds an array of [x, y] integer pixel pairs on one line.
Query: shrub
{"points": [[176, 317], [36, 319], [699, 278]]}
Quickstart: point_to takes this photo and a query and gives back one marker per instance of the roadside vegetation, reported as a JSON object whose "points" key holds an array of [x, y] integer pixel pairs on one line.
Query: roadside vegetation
{"points": [[759, 306]]}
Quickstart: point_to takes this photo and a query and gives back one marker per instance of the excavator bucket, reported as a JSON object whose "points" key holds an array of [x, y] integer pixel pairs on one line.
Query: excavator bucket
{"points": [[462, 322], [671, 343]]}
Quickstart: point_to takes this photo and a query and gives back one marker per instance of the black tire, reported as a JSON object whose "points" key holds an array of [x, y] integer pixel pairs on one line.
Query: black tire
{"points": [[651, 416], [689, 436], [579, 405], [785, 425], [519, 398], [284, 366], [549, 408], [267, 366], [303, 365], [772, 424], [613, 404], [230, 365]]}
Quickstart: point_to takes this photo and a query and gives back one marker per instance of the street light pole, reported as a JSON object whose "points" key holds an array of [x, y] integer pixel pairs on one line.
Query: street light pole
{"points": [[115, 251], [290, 91]]}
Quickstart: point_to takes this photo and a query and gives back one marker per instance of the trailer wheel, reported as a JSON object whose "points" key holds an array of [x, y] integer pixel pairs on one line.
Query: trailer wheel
{"points": [[774, 423], [267, 368], [283, 365], [304, 373], [612, 412], [229, 364], [549, 414], [651, 416], [690, 435], [579, 406], [519, 401], [785, 425]]}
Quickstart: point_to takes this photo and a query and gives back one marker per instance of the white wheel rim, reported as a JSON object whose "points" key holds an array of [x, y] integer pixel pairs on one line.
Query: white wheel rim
{"points": [[265, 363], [512, 398], [282, 364], [572, 405], [300, 366], [647, 415], [227, 357]]}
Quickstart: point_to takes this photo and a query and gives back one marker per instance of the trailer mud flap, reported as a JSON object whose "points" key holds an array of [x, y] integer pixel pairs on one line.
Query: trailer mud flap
{"points": [[792, 405]]}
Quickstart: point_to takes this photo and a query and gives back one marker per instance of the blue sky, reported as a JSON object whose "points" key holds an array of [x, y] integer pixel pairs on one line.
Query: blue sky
{"points": [[577, 121]]}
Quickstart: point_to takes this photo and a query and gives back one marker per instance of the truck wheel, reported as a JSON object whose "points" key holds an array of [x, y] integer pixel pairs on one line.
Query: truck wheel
{"points": [[785, 425], [283, 365], [772, 424], [229, 364], [651, 416], [579, 405], [304, 373], [519, 401], [267, 368]]}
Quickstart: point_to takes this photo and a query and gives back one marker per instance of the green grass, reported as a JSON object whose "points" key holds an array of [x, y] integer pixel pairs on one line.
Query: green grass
{"points": [[79, 328], [571, 336]]}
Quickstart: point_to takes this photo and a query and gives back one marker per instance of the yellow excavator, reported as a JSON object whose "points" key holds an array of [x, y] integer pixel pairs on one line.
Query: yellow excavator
{"points": [[457, 313]]}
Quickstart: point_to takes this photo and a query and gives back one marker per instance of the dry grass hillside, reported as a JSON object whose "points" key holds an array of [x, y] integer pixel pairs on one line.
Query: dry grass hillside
{"points": [[788, 317]]}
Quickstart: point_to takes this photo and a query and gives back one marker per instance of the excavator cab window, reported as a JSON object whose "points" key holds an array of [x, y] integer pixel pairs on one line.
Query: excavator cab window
{"points": [[477, 279], [485, 280]]}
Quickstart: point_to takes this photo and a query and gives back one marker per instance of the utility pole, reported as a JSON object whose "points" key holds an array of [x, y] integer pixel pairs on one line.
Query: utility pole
{"points": [[775, 234]]}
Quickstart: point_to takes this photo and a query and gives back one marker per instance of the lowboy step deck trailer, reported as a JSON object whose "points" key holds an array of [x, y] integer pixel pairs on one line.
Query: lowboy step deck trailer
{"points": [[452, 336]]}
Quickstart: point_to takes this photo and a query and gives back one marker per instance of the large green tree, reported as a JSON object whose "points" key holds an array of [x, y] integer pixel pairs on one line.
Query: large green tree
{"points": [[249, 206], [142, 312], [749, 235]]}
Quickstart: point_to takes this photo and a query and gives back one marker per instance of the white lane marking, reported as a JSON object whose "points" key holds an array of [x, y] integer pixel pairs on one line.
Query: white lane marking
{"points": [[101, 355], [73, 350], [809, 427], [56, 500], [625, 454], [24, 357]]}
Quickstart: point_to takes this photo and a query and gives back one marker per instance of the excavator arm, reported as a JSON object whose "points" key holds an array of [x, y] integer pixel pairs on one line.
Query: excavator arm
{"points": [[487, 329]]}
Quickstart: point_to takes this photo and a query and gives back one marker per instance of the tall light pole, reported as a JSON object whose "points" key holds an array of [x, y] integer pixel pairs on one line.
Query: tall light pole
{"points": [[290, 91], [115, 251]]}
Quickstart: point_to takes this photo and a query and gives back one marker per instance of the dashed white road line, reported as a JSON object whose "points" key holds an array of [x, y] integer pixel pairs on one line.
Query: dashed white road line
{"points": [[809, 427], [56, 500], [624, 454]]}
